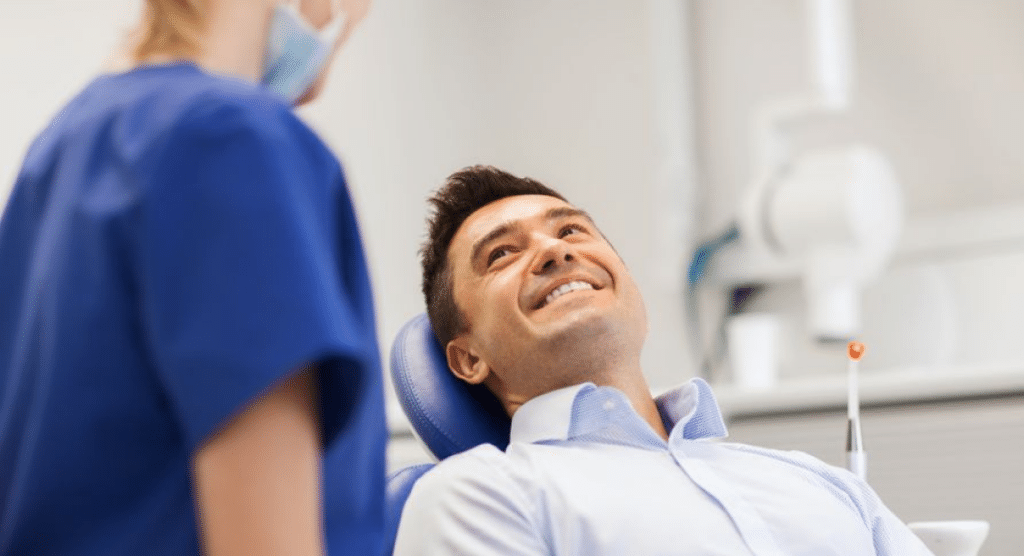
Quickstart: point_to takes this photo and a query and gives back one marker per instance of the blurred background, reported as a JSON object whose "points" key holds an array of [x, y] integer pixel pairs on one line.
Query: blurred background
{"points": [[645, 113]]}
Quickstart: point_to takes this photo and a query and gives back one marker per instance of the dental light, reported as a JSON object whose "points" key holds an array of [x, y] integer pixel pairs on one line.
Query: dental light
{"points": [[829, 217]]}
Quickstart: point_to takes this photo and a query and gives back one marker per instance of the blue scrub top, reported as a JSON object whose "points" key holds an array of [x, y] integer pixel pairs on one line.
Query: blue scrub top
{"points": [[175, 244]]}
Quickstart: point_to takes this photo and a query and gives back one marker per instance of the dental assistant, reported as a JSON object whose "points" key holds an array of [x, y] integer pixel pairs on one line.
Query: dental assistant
{"points": [[188, 358]]}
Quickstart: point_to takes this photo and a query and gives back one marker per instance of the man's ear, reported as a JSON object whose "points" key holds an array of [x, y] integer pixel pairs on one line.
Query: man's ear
{"points": [[464, 362]]}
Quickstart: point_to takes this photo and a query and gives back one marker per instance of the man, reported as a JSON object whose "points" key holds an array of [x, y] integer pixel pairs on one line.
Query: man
{"points": [[532, 302]]}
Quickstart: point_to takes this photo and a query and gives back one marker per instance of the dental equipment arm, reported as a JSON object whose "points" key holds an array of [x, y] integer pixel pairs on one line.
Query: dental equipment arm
{"points": [[829, 217]]}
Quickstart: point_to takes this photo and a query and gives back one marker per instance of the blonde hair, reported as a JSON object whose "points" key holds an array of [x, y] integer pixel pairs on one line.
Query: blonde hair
{"points": [[170, 27]]}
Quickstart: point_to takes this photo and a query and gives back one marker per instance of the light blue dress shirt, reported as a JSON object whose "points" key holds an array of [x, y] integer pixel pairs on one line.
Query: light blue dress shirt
{"points": [[584, 474]]}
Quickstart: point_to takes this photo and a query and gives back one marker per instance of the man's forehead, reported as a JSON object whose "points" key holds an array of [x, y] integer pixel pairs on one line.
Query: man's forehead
{"points": [[499, 217], [510, 210]]}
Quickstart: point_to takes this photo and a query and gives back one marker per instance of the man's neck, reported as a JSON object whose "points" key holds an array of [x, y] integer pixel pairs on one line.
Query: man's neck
{"points": [[639, 395]]}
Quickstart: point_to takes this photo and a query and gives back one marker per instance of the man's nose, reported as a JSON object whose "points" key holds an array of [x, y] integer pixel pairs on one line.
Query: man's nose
{"points": [[553, 254]]}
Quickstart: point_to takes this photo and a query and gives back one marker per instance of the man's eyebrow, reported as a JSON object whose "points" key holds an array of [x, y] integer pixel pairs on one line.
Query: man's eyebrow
{"points": [[567, 212], [491, 236]]}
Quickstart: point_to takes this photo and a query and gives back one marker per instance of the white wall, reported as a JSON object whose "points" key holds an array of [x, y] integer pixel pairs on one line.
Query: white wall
{"points": [[560, 91]]}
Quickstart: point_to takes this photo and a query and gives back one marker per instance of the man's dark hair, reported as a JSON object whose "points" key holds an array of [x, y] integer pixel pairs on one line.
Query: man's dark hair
{"points": [[462, 194]]}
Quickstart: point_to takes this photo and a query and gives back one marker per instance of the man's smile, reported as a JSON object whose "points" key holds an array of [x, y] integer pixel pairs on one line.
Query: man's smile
{"points": [[564, 286], [565, 289]]}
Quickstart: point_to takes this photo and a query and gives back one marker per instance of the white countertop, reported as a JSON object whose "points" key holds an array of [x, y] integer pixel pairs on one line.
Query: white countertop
{"points": [[892, 386]]}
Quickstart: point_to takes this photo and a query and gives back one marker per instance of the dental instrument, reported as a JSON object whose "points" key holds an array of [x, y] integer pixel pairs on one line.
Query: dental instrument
{"points": [[856, 458]]}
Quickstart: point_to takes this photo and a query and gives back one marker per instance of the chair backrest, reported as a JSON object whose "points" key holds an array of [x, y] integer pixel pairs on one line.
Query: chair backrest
{"points": [[398, 487], [448, 415]]}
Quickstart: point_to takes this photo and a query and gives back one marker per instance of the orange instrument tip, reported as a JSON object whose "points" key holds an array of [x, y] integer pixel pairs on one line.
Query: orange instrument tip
{"points": [[855, 350]]}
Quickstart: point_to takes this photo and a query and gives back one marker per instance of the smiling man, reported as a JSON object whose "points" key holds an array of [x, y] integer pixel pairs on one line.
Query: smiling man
{"points": [[532, 302]]}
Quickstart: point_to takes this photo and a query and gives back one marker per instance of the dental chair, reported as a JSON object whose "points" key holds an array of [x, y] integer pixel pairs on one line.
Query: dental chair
{"points": [[447, 415], [450, 416]]}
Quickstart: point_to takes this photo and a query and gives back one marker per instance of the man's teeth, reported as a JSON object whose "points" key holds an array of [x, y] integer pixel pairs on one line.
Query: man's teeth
{"points": [[566, 288]]}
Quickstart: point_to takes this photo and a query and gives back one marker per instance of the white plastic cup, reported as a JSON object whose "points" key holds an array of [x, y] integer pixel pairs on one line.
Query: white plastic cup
{"points": [[754, 350], [951, 538]]}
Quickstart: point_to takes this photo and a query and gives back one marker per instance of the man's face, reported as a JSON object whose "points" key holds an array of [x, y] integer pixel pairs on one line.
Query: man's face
{"points": [[543, 292]]}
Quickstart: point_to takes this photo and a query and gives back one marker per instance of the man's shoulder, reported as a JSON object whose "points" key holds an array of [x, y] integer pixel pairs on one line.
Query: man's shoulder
{"points": [[485, 466], [482, 460], [475, 502], [483, 471]]}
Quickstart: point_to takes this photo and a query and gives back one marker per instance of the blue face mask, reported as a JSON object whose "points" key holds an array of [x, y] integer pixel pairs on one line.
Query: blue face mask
{"points": [[296, 53]]}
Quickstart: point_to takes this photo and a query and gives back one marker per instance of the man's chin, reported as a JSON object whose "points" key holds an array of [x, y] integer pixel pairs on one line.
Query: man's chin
{"points": [[578, 327]]}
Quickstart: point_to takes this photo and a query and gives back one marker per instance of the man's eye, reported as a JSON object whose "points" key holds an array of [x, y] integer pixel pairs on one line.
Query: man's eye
{"points": [[571, 229], [496, 254]]}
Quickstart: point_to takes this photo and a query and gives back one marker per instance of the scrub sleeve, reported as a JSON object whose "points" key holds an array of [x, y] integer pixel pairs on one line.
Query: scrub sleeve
{"points": [[240, 277]]}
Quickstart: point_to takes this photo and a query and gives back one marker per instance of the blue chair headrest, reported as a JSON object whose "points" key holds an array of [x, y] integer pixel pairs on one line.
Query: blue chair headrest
{"points": [[449, 415]]}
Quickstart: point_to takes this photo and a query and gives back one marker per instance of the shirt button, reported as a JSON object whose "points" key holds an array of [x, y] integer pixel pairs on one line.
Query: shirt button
{"points": [[609, 405]]}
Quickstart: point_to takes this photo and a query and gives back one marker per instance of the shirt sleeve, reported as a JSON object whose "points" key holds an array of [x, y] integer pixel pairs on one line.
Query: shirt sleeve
{"points": [[892, 537], [238, 263], [470, 504]]}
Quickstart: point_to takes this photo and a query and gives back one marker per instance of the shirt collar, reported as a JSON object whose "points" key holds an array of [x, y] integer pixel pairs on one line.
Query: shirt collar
{"points": [[693, 407], [574, 411]]}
